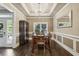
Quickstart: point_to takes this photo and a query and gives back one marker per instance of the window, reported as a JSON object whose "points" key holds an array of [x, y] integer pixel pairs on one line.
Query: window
{"points": [[9, 30], [40, 27], [9, 25]]}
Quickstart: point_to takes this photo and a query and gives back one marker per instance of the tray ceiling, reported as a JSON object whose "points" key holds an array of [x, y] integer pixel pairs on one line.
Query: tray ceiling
{"points": [[39, 9]]}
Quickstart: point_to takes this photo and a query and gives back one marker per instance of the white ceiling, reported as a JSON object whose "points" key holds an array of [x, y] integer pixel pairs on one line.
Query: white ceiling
{"points": [[39, 9]]}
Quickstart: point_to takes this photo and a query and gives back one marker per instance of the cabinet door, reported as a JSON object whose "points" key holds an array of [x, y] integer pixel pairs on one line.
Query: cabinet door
{"points": [[27, 30], [22, 32]]}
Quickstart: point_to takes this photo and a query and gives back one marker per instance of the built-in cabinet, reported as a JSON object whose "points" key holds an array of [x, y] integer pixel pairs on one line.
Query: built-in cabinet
{"points": [[23, 32]]}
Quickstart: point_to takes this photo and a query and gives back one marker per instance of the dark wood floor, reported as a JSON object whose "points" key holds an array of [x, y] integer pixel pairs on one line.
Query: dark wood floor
{"points": [[25, 50]]}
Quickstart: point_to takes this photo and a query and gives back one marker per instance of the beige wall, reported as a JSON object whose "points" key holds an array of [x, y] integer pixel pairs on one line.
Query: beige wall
{"points": [[31, 21], [74, 30], [69, 40]]}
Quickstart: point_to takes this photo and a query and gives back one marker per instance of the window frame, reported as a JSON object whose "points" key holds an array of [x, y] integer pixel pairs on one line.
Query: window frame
{"points": [[35, 23]]}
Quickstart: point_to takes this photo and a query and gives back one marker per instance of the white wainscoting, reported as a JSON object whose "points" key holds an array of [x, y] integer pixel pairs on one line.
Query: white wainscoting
{"points": [[72, 37]]}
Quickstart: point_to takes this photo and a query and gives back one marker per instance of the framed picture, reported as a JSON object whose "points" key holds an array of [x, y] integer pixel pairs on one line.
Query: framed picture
{"points": [[65, 21]]}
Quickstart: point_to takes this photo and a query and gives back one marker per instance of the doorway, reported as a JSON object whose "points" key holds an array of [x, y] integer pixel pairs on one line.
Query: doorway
{"points": [[3, 34], [6, 31]]}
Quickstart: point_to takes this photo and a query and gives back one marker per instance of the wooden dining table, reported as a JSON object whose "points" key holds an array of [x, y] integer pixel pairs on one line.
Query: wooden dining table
{"points": [[41, 40]]}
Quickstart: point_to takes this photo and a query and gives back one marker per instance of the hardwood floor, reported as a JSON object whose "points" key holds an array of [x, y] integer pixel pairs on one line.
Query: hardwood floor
{"points": [[25, 50]]}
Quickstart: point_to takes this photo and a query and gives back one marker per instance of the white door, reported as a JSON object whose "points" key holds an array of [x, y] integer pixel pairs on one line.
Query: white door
{"points": [[3, 30]]}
